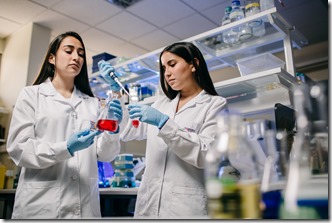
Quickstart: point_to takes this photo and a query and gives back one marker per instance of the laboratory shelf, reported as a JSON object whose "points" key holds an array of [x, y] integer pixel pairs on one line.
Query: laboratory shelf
{"points": [[219, 55], [262, 88], [3, 110], [257, 82], [279, 36], [258, 91]]}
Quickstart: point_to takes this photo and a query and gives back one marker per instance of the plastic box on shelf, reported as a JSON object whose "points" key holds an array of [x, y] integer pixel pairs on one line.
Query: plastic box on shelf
{"points": [[259, 63], [99, 57]]}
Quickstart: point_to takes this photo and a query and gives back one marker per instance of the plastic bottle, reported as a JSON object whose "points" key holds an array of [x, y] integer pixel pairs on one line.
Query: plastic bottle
{"points": [[252, 7], [230, 173], [229, 36]]}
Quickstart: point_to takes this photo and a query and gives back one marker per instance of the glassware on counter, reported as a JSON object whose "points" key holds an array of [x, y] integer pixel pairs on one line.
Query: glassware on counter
{"points": [[231, 176]]}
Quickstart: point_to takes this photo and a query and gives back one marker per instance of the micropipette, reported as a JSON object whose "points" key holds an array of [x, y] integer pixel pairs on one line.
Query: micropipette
{"points": [[135, 122], [115, 78]]}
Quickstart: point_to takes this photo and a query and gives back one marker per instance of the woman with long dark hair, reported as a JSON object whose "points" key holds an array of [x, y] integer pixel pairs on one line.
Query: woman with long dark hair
{"points": [[179, 127], [51, 143]]}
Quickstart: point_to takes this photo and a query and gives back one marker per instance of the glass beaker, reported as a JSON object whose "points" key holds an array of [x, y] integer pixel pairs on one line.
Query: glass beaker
{"points": [[135, 93], [107, 119]]}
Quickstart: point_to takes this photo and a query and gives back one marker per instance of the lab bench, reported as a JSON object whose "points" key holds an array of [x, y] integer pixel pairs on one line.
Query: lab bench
{"points": [[114, 202]]}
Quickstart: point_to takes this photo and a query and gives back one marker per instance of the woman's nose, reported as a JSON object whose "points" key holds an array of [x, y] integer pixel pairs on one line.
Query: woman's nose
{"points": [[75, 55], [167, 73]]}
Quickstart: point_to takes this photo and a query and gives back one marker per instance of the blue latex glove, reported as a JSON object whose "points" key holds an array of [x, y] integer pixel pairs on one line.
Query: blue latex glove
{"points": [[105, 69], [81, 140], [115, 107], [147, 114]]}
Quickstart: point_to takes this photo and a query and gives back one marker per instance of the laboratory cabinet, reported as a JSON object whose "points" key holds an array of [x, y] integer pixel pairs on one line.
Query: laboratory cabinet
{"points": [[114, 202]]}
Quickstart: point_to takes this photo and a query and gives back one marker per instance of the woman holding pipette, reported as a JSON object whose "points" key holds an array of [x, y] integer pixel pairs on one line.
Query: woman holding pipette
{"points": [[179, 127]]}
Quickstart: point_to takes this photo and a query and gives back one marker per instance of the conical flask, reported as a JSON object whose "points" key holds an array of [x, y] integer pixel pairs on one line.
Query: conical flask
{"points": [[107, 121]]}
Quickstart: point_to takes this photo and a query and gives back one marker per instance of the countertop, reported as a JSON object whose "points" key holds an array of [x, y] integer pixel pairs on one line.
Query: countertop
{"points": [[103, 191]]}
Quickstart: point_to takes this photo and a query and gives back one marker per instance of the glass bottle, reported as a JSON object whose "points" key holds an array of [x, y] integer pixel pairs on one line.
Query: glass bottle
{"points": [[245, 31], [107, 119], [236, 14], [135, 95], [252, 7], [265, 5], [229, 36], [230, 173]]}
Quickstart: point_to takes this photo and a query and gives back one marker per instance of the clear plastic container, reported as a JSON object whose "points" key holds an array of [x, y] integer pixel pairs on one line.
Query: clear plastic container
{"points": [[261, 62]]}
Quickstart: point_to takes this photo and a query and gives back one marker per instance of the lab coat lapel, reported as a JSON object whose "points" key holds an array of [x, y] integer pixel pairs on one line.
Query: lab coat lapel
{"points": [[48, 89], [174, 104], [77, 97], [200, 98]]}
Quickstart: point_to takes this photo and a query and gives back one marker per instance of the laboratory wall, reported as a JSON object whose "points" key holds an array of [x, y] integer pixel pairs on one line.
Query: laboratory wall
{"points": [[1, 45], [22, 54]]}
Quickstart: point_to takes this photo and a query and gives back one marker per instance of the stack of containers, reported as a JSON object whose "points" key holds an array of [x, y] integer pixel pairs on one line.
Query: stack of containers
{"points": [[124, 174]]}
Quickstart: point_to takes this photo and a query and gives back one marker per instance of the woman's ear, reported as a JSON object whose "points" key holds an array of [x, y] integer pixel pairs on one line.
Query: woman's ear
{"points": [[195, 63], [51, 59]]}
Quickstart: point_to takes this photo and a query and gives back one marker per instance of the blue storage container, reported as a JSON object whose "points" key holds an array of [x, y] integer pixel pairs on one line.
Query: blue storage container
{"points": [[99, 57]]}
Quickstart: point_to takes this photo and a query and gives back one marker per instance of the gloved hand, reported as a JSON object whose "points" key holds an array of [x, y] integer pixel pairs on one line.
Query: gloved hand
{"points": [[105, 70], [115, 107], [81, 140], [147, 114]]}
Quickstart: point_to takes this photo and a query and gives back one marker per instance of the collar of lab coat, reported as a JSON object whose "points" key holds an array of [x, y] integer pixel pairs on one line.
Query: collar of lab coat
{"points": [[202, 97], [48, 89]]}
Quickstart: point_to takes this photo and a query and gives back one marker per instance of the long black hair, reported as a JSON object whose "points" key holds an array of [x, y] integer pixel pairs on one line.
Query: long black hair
{"points": [[47, 69], [190, 53]]}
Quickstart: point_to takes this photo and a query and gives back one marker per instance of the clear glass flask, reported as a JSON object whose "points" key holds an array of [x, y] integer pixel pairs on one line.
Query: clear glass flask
{"points": [[107, 121]]}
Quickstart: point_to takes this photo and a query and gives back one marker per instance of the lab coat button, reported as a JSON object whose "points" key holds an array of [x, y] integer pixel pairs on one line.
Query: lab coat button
{"points": [[74, 177], [76, 212]]}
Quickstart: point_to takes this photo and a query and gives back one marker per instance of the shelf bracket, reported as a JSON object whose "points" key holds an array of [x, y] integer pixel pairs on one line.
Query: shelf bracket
{"points": [[288, 49]]}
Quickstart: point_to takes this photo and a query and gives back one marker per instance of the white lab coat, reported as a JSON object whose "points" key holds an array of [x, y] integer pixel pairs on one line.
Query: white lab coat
{"points": [[173, 181], [52, 183]]}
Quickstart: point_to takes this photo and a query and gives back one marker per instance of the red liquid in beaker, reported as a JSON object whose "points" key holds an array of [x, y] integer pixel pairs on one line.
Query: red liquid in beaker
{"points": [[135, 123], [108, 125]]}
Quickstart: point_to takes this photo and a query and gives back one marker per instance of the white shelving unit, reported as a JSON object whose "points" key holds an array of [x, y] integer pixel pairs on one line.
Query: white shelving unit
{"points": [[279, 36], [3, 122]]}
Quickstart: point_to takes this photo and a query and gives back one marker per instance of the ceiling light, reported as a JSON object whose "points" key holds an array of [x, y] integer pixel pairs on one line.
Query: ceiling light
{"points": [[123, 3]]}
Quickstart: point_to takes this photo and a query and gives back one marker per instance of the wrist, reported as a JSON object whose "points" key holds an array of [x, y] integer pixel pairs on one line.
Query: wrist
{"points": [[162, 121], [69, 150]]}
